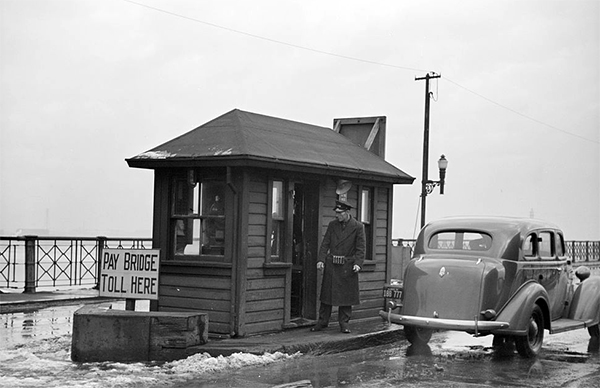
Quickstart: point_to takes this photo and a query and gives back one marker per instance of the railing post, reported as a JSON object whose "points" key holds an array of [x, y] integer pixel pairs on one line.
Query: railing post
{"points": [[101, 243], [30, 264], [587, 251]]}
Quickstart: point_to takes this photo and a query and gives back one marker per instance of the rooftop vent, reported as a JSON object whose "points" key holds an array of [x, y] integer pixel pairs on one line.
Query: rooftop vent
{"points": [[367, 132]]}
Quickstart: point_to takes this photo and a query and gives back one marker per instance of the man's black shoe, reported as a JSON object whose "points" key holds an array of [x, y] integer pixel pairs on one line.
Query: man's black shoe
{"points": [[317, 328], [346, 331]]}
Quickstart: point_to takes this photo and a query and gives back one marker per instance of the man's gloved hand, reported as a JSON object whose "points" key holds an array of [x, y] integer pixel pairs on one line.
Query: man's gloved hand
{"points": [[356, 268], [320, 265]]}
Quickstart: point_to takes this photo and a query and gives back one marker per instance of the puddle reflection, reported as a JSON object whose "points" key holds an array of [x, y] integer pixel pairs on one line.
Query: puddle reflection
{"points": [[28, 327], [45, 323], [39, 324]]}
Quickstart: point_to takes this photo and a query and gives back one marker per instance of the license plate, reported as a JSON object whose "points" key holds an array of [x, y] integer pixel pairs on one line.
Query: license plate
{"points": [[393, 293]]}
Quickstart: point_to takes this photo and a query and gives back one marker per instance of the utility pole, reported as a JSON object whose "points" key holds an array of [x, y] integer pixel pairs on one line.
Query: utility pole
{"points": [[425, 178]]}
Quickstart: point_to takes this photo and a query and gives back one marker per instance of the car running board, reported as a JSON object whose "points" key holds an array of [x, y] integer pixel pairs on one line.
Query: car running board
{"points": [[564, 324]]}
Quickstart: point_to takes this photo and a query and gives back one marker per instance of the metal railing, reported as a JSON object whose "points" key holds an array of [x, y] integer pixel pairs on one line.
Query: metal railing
{"points": [[37, 262], [404, 242], [583, 251]]}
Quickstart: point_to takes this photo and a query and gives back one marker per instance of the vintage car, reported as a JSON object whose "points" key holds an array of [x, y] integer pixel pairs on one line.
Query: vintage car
{"points": [[507, 277]]}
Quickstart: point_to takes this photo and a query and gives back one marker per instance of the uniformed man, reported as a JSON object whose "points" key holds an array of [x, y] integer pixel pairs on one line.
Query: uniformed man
{"points": [[341, 257]]}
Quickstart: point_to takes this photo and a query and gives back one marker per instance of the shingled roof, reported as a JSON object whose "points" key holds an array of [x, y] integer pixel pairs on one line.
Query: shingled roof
{"points": [[250, 139]]}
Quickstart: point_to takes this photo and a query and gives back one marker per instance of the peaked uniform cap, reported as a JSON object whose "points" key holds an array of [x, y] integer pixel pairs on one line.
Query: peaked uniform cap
{"points": [[342, 206]]}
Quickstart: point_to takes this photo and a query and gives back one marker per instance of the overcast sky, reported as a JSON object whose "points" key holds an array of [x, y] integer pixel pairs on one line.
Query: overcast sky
{"points": [[86, 84]]}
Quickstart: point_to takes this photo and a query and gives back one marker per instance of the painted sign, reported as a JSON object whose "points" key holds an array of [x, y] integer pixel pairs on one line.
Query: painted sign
{"points": [[129, 273]]}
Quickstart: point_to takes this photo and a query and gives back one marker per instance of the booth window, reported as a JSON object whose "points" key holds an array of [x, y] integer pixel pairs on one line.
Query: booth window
{"points": [[198, 218], [366, 217], [277, 222]]}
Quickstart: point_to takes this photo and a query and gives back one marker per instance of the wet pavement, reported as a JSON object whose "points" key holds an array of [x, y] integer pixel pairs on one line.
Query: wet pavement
{"points": [[36, 333], [35, 351], [365, 333], [12, 301]]}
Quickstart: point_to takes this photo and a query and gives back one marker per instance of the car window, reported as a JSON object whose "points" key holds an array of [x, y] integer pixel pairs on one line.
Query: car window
{"points": [[545, 243], [529, 246], [560, 245], [539, 244], [461, 240]]}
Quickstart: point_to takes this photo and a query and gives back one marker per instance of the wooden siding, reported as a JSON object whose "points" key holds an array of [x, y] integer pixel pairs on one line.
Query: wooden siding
{"points": [[373, 280], [247, 296], [198, 288], [257, 218], [265, 295]]}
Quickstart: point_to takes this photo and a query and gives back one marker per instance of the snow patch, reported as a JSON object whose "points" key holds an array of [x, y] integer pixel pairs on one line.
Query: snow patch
{"points": [[219, 151], [47, 363], [155, 155], [201, 363]]}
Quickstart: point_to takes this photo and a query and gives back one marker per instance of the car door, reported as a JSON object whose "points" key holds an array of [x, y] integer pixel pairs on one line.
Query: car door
{"points": [[553, 275], [545, 266]]}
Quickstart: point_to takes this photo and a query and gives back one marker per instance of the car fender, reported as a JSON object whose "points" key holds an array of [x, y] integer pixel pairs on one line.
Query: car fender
{"points": [[517, 311], [585, 305]]}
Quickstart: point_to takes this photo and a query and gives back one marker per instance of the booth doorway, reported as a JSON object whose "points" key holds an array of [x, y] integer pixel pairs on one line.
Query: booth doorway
{"points": [[303, 299]]}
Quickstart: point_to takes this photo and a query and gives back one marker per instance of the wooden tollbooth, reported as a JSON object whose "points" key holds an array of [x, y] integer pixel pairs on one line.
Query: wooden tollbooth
{"points": [[241, 205]]}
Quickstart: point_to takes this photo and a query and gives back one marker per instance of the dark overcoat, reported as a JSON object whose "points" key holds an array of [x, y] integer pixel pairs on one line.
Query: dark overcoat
{"points": [[340, 282]]}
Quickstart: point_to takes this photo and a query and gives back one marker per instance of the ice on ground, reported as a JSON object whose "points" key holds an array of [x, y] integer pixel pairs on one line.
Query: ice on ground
{"points": [[203, 362], [47, 363], [35, 351]]}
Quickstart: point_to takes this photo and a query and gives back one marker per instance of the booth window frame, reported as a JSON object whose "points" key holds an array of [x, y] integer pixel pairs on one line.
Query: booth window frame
{"points": [[277, 219], [193, 205], [367, 215]]}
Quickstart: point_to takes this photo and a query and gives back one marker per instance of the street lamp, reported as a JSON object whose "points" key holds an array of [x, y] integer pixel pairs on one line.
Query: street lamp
{"points": [[429, 185]]}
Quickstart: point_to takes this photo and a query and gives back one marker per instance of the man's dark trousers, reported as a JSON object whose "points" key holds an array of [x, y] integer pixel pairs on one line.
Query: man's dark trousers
{"points": [[344, 315]]}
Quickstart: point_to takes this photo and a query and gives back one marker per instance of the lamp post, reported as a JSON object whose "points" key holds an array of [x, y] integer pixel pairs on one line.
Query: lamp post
{"points": [[428, 185]]}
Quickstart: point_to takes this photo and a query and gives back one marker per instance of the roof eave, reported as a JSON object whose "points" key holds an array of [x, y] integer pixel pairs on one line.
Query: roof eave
{"points": [[261, 162]]}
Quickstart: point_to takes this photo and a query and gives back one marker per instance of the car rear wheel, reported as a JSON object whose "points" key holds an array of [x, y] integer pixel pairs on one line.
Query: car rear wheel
{"points": [[503, 345], [417, 336], [530, 344]]}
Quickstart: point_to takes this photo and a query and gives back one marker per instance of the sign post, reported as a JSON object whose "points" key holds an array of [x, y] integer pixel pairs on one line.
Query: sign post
{"points": [[129, 273]]}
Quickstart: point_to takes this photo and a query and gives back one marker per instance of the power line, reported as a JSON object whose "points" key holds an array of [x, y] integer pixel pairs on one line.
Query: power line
{"points": [[521, 114], [356, 59], [275, 40]]}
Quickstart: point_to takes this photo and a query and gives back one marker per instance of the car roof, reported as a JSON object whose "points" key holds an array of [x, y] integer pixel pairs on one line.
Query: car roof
{"points": [[490, 223], [506, 232]]}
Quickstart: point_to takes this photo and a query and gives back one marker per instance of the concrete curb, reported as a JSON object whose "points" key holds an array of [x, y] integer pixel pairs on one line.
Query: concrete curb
{"points": [[304, 342], [352, 343]]}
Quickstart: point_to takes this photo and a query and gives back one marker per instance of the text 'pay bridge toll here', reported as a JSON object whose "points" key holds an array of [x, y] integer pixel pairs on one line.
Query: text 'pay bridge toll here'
{"points": [[129, 273]]}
